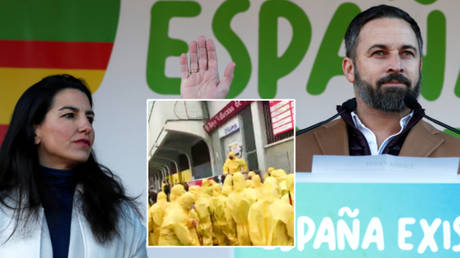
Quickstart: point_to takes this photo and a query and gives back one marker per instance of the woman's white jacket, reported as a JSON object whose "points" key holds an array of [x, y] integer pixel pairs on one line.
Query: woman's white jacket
{"points": [[34, 241]]}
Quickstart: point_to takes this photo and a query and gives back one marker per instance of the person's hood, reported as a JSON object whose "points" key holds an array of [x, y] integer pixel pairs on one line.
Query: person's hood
{"points": [[216, 190], [256, 180], [195, 190], [161, 196], [239, 183], [186, 201], [271, 188], [177, 191]]}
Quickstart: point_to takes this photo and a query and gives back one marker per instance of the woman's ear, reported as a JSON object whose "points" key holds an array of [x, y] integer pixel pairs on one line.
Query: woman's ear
{"points": [[37, 134]]}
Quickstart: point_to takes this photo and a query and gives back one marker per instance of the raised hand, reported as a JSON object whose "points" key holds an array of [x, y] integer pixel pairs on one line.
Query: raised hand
{"points": [[202, 79]]}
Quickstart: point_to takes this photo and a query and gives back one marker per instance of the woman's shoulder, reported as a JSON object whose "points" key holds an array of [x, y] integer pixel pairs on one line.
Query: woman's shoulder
{"points": [[130, 240], [132, 230], [130, 214]]}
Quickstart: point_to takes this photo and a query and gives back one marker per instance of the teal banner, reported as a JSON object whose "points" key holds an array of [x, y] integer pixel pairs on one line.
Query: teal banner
{"points": [[372, 220]]}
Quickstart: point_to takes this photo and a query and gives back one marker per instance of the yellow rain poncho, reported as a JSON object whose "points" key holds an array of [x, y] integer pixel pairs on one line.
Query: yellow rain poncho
{"points": [[234, 164], [224, 229], [248, 180], [178, 227], [250, 190], [203, 211], [156, 215], [270, 220], [257, 186], [227, 188], [176, 192], [195, 191], [281, 176], [289, 195], [239, 202], [268, 173]]}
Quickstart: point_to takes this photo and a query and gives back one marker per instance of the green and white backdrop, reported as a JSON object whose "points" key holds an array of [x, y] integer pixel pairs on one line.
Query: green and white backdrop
{"points": [[128, 51]]}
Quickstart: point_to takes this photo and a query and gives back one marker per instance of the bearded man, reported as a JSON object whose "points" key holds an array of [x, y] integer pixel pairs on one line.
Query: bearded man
{"points": [[383, 61]]}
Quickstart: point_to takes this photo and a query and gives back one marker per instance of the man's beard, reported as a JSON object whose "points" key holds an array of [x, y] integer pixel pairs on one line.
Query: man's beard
{"points": [[389, 99]]}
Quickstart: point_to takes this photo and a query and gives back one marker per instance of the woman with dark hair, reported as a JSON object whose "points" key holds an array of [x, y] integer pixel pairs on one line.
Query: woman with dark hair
{"points": [[55, 199]]}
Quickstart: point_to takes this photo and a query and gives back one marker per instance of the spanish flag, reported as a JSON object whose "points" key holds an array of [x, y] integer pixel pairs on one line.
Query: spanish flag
{"points": [[40, 38]]}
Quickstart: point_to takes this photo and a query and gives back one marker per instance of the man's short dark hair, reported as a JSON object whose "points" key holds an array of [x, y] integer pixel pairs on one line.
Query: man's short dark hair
{"points": [[380, 11]]}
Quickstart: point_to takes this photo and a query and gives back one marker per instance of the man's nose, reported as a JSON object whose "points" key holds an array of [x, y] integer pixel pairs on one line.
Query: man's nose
{"points": [[395, 64]]}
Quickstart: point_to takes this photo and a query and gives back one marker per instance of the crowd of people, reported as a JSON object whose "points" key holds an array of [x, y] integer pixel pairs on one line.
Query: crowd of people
{"points": [[244, 210]]}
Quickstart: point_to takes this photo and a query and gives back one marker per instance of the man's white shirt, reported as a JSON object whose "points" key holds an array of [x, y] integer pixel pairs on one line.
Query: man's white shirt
{"points": [[370, 136]]}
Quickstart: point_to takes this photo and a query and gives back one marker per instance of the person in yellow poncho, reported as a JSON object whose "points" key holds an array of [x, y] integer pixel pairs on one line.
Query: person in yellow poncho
{"points": [[250, 190], [270, 221], [176, 192], [178, 227], [234, 164], [156, 215], [195, 191], [239, 202], [249, 182], [268, 173], [280, 175], [202, 209], [223, 225], [227, 187], [289, 195], [257, 186], [230, 231]]}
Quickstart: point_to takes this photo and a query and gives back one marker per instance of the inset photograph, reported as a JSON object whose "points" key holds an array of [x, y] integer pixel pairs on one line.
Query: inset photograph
{"points": [[220, 172]]}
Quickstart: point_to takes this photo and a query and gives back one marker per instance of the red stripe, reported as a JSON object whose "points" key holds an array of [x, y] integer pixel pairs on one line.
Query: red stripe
{"points": [[285, 104], [274, 102], [3, 129], [290, 122], [52, 54]]}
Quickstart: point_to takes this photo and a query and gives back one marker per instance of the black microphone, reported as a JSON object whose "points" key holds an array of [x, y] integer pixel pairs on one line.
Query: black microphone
{"points": [[412, 103], [347, 106]]}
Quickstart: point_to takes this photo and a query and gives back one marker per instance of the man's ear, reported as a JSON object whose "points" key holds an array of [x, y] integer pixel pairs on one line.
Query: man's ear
{"points": [[348, 68]]}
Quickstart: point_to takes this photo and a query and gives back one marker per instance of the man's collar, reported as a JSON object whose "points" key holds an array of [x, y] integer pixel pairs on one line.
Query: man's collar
{"points": [[360, 126]]}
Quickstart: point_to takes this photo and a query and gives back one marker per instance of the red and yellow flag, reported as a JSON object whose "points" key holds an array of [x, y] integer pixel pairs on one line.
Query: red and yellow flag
{"points": [[40, 38]]}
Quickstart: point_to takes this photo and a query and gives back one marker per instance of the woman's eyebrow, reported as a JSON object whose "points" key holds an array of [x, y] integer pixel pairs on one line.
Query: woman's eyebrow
{"points": [[75, 109], [69, 107]]}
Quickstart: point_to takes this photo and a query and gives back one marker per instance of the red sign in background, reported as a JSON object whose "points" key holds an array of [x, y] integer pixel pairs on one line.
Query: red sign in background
{"points": [[282, 115], [229, 111]]}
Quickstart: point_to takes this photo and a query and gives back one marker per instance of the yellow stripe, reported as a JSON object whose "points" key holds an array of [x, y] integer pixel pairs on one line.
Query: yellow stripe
{"points": [[14, 81]]}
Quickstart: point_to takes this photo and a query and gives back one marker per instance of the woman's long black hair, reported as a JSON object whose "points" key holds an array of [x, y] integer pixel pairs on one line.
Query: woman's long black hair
{"points": [[20, 184]]}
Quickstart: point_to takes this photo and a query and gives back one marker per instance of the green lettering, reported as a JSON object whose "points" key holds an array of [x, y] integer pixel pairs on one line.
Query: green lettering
{"points": [[426, 2], [272, 67], [435, 59], [228, 38], [328, 63], [161, 46]]}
